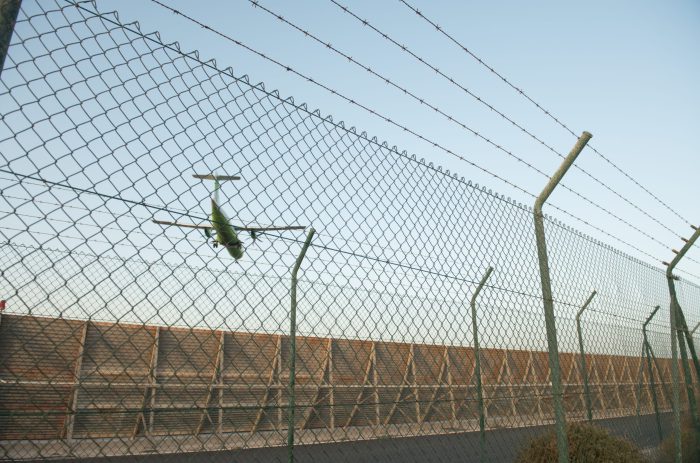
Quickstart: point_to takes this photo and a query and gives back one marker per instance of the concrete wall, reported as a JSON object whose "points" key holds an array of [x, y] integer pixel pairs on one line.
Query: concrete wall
{"points": [[71, 387]]}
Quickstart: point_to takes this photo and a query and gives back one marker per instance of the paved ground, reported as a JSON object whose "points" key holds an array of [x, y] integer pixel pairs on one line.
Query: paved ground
{"points": [[502, 446]]}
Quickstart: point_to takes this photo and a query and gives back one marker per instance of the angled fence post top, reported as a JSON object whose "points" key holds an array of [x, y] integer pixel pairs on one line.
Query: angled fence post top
{"points": [[304, 248], [481, 285], [679, 254], [651, 315], [585, 305], [563, 169]]}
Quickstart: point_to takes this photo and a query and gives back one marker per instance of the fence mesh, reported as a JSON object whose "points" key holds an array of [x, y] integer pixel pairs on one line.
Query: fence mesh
{"points": [[122, 336]]}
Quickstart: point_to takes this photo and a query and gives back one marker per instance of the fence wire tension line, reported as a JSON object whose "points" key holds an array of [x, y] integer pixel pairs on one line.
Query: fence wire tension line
{"points": [[194, 265]]}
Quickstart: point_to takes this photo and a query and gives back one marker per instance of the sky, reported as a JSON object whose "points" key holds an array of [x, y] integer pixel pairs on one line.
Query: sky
{"points": [[625, 71], [105, 133]]}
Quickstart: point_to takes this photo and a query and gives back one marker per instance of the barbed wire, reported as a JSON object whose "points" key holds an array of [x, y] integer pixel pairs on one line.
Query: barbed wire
{"points": [[430, 141], [540, 107], [482, 101], [450, 118], [553, 205], [82, 190]]}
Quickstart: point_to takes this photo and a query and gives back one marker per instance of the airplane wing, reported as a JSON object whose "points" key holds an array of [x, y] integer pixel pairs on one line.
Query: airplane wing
{"points": [[183, 225], [217, 177], [235, 227], [262, 229]]}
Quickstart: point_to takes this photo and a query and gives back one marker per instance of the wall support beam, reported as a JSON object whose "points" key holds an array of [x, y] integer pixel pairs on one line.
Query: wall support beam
{"points": [[215, 386], [69, 421], [149, 394], [562, 446]]}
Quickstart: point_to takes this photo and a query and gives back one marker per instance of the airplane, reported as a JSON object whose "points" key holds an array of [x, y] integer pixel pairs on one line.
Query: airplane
{"points": [[220, 230]]}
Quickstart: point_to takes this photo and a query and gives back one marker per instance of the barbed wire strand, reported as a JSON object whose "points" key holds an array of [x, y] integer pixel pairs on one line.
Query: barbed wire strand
{"points": [[450, 118], [462, 158], [482, 101], [539, 106]]}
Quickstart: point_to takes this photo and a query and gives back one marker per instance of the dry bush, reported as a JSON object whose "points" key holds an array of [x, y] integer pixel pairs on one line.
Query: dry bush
{"points": [[587, 443]]}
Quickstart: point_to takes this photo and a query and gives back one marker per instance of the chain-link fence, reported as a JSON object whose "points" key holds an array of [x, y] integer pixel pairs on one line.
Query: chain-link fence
{"points": [[122, 336]]}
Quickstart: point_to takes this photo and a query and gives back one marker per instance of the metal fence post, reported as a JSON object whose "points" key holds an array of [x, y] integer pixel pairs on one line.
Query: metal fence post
{"points": [[675, 373], [550, 322], [9, 9], [293, 348], [584, 371], [690, 390], [658, 369], [477, 368], [652, 384], [683, 327], [640, 377]]}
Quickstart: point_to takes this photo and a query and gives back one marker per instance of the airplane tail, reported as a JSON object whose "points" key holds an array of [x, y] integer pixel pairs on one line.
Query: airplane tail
{"points": [[217, 181]]}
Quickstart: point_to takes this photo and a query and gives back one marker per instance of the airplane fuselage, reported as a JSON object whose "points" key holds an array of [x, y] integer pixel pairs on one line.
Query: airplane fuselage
{"points": [[225, 233]]}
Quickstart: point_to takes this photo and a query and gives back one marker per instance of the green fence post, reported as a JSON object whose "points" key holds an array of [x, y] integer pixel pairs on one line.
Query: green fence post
{"points": [[651, 363], [693, 353], [477, 368], [683, 327], [584, 370], [675, 373], [652, 385], [640, 378], [689, 389], [664, 386], [550, 323], [9, 9], [293, 348]]}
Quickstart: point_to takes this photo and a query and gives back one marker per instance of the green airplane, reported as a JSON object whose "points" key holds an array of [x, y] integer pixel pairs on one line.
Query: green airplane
{"points": [[220, 230]]}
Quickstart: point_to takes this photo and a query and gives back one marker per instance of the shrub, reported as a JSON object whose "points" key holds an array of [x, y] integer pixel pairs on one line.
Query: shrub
{"points": [[587, 443], [689, 445]]}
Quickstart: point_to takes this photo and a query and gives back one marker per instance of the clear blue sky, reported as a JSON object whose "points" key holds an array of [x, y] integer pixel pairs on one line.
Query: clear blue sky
{"points": [[627, 71], [626, 78]]}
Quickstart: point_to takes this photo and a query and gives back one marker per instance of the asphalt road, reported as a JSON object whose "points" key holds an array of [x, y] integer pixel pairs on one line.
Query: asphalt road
{"points": [[502, 446]]}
